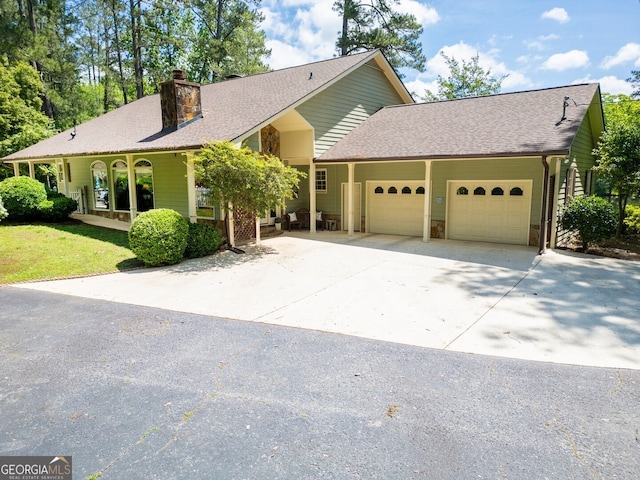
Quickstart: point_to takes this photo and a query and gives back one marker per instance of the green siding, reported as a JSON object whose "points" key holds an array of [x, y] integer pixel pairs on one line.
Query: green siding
{"points": [[339, 109], [302, 200], [81, 175], [581, 158], [170, 182], [253, 142]]}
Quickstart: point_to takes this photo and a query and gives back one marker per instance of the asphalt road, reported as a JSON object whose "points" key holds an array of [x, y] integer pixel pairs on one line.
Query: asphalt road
{"points": [[140, 393]]}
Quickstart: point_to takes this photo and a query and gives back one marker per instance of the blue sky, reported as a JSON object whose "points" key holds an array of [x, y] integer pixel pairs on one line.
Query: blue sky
{"points": [[537, 43]]}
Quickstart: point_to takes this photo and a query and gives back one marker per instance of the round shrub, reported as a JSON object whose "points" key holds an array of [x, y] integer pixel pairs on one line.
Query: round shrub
{"points": [[22, 197], [57, 208], [159, 237], [203, 240], [593, 218]]}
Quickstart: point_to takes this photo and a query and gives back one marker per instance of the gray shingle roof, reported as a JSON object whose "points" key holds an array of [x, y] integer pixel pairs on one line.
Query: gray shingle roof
{"points": [[512, 124], [231, 109]]}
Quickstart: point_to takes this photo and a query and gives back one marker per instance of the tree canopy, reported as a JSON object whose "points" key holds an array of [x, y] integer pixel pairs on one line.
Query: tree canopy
{"points": [[95, 55], [377, 25], [634, 80], [618, 151], [466, 79], [22, 122]]}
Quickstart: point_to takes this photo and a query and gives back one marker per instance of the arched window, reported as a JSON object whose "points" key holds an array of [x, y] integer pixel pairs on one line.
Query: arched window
{"points": [[516, 192], [406, 190], [100, 177], [392, 190], [144, 185], [379, 190], [497, 191], [479, 191], [420, 191], [120, 185], [462, 191]]}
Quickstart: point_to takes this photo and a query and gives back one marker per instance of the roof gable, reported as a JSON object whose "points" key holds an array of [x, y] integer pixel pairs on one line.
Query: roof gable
{"points": [[230, 110], [513, 124]]}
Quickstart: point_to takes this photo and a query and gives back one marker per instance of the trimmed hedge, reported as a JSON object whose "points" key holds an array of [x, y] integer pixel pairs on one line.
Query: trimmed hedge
{"points": [[203, 240], [22, 197], [57, 208], [593, 218], [159, 237]]}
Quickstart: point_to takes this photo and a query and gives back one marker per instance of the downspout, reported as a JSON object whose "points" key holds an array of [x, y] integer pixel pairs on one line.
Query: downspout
{"points": [[542, 247]]}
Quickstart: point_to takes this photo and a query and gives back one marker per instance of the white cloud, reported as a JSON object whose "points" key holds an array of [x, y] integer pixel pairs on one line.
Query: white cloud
{"points": [[419, 87], [284, 55], [424, 14], [628, 53], [557, 14], [565, 61], [539, 43], [609, 84], [529, 60], [547, 38], [302, 34]]}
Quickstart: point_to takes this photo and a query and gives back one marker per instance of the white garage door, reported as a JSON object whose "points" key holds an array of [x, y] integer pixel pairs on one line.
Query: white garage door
{"points": [[396, 207], [489, 211]]}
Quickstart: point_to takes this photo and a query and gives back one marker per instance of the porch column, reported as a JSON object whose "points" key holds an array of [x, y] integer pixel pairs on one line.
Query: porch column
{"points": [[131, 178], [16, 169], [426, 227], [351, 167], [231, 240], [257, 230], [312, 197], [32, 171], [191, 189]]}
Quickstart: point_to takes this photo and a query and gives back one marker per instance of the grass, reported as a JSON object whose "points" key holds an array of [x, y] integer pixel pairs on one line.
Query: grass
{"points": [[47, 251]]}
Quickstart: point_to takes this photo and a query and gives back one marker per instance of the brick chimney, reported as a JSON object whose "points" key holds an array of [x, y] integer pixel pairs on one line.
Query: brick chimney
{"points": [[180, 102]]}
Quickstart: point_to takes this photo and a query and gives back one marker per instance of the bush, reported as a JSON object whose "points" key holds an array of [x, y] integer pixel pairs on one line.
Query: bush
{"points": [[3, 211], [593, 218], [22, 197], [203, 240], [632, 219], [57, 208], [159, 237]]}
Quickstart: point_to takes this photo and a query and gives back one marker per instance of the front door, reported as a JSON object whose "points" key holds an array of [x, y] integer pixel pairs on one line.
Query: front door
{"points": [[269, 217]]}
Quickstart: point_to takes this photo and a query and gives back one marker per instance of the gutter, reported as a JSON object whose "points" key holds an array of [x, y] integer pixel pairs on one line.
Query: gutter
{"points": [[542, 244]]}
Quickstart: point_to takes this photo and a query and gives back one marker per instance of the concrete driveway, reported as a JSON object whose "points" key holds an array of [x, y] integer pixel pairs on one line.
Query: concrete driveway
{"points": [[461, 296]]}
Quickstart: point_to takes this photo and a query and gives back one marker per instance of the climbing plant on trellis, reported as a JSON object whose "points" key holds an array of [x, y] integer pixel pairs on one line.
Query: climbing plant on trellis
{"points": [[244, 224]]}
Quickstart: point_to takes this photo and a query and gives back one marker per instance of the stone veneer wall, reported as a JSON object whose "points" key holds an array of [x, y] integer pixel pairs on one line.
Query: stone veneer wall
{"points": [[180, 103]]}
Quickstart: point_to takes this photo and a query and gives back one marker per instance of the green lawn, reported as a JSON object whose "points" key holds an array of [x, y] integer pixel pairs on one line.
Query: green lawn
{"points": [[45, 251]]}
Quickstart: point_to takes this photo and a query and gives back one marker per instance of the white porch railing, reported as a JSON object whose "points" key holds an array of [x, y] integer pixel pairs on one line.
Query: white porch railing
{"points": [[78, 196]]}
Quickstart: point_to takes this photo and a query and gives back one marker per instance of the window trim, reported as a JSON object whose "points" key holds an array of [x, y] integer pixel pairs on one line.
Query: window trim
{"points": [[321, 180], [107, 188]]}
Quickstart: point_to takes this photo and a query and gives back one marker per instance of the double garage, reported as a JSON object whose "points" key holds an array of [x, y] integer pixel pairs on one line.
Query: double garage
{"points": [[479, 210]]}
